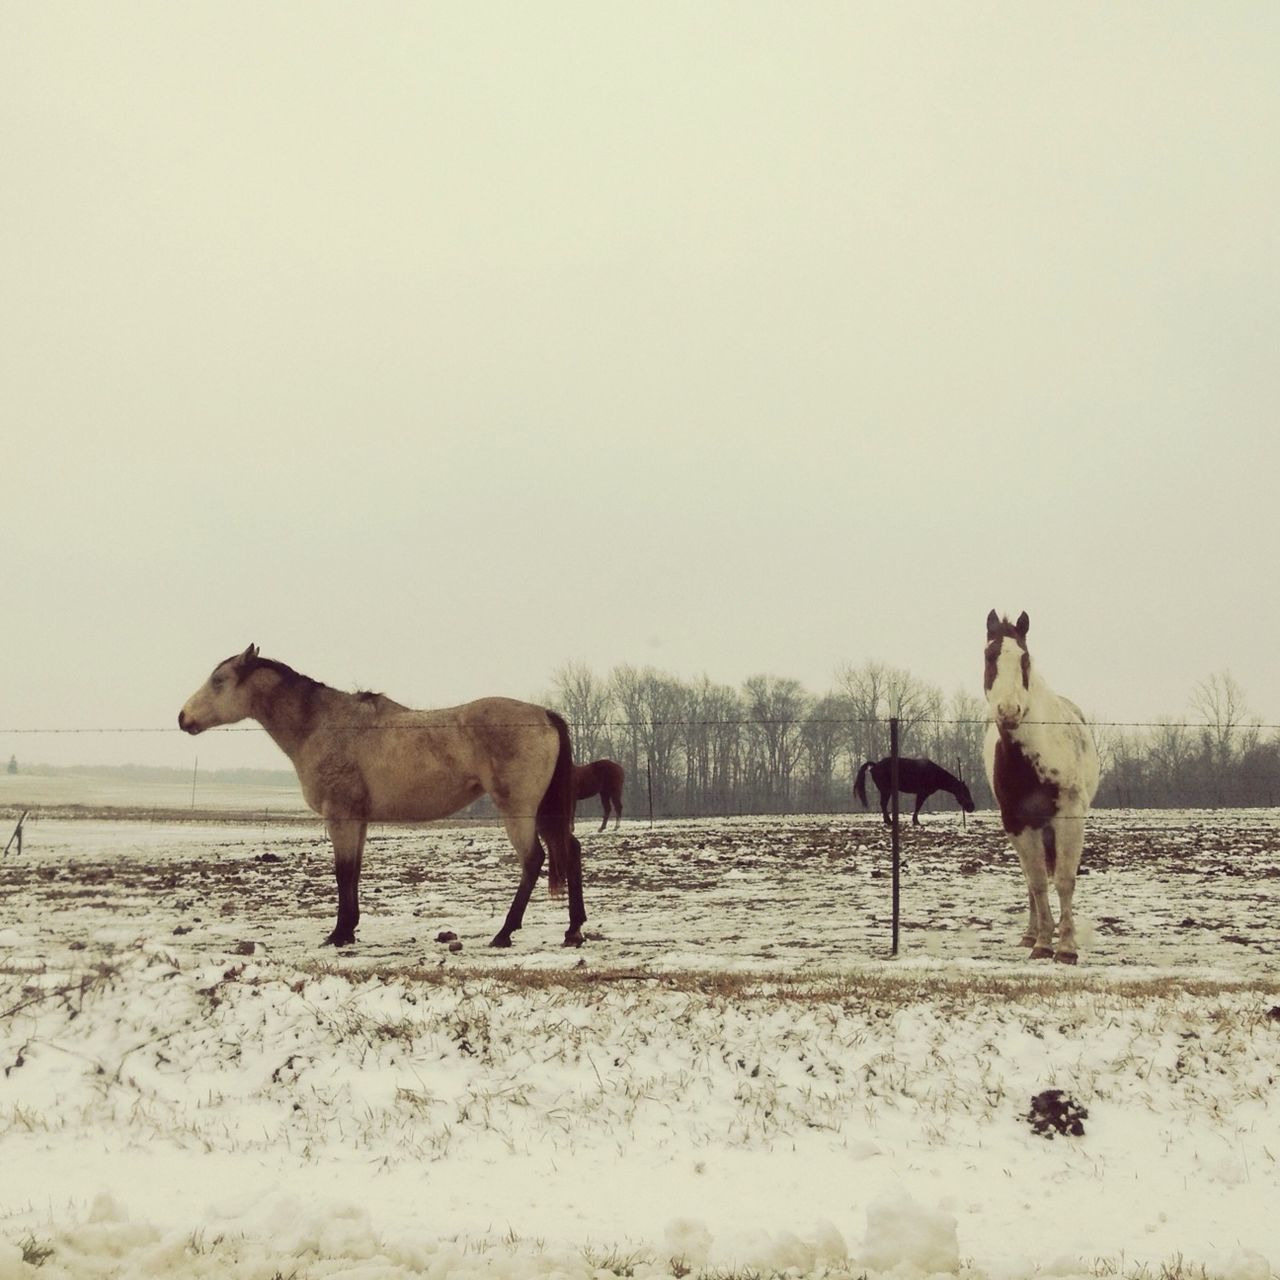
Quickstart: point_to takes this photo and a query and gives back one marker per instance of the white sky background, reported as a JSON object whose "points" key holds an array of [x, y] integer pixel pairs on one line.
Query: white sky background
{"points": [[433, 346]]}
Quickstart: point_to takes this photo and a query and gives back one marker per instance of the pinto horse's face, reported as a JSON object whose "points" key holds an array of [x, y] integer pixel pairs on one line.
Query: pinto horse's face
{"points": [[224, 697], [1007, 670]]}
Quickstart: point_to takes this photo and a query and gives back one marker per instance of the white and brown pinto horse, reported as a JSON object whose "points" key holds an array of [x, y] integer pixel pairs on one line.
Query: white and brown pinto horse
{"points": [[362, 758], [1043, 768]]}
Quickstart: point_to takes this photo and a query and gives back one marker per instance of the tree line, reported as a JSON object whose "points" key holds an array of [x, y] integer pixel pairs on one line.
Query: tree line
{"points": [[700, 748]]}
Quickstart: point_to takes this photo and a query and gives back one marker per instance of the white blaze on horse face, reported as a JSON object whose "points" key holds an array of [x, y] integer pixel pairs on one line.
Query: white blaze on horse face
{"points": [[222, 699], [1008, 697]]}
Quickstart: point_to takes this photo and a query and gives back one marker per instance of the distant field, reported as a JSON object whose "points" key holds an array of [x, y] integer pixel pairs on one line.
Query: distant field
{"points": [[106, 791]]}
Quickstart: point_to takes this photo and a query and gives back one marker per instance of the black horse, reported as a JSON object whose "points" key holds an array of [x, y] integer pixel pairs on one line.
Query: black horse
{"points": [[918, 777]]}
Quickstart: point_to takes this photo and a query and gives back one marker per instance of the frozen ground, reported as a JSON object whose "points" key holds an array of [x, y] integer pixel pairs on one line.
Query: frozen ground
{"points": [[730, 1076]]}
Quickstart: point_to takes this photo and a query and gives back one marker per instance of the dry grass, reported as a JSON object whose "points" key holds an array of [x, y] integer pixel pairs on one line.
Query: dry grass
{"points": [[811, 987]]}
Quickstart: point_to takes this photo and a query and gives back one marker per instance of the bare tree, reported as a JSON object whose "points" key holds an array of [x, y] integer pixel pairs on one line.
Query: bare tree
{"points": [[587, 704], [1125, 782], [876, 692], [864, 690], [654, 708], [713, 716], [954, 740], [775, 708], [1228, 732], [822, 736], [1170, 752]]}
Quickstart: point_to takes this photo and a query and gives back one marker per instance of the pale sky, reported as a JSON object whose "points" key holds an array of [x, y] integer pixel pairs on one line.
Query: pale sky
{"points": [[433, 346]]}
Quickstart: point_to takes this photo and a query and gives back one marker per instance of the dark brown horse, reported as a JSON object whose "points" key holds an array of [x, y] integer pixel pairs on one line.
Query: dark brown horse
{"points": [[362, 758], [916, 776], [601, 778]]}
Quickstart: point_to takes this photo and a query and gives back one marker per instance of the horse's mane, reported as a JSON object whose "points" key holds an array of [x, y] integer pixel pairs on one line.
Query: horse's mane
{"points": [[375, 701], [379, 701], [282, 669]]}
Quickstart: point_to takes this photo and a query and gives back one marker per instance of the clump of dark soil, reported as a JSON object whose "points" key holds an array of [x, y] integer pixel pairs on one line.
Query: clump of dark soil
{"points": [[1054, 1112]]}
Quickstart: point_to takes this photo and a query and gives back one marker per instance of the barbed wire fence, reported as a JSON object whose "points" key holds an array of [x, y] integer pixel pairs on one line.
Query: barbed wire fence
{"points": [[678, 770], [637, 728], [681, 722]]}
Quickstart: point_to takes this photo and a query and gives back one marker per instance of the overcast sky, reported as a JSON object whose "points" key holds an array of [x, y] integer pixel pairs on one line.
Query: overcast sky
{"points": [[433, 346]]}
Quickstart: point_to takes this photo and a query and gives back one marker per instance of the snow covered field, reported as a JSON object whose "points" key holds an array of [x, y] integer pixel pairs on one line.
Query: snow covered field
{"points": [[730, 1077]]}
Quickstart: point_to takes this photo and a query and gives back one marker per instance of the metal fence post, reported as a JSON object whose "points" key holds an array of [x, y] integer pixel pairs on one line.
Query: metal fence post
{"points": [[893, 784]]}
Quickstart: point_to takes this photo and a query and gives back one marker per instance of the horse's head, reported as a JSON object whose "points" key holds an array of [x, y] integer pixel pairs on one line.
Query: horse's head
{"points": [[224, 697], [1007, 672], [965, 797]]}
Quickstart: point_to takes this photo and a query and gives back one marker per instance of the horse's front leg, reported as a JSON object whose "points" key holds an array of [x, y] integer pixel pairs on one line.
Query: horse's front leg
{"points": [[1033, 916], [347, 836], [1029, 846], [921, 797], [1069, 836]]}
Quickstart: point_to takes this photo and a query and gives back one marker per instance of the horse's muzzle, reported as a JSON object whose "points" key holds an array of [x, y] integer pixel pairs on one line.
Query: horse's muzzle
{"points": [[188, 726], [1009, 717]]}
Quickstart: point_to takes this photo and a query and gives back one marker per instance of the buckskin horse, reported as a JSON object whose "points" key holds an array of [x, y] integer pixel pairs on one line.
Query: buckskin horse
{"points": [[362, 757], [1043, 768], [917, 776], [601, 778]]}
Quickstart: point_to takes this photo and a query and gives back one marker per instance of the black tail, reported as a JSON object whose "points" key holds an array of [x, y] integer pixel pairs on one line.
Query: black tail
{"points": [[555, 812], [860, 783]]}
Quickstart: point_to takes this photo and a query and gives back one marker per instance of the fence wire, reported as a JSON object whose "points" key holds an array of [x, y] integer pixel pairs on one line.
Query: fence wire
{"points": [[640, 726], [640, 730]]}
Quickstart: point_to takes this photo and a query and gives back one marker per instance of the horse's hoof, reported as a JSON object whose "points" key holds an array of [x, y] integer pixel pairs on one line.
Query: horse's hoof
{"points": [[500, 940], [572, 940], [1066, 957], [1041, 953], [336, 939]]}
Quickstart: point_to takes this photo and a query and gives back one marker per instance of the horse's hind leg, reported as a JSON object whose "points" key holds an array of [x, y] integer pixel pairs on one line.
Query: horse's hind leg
{"points": [[604, 804], [347, 837], [577, 911], [523, 834]]}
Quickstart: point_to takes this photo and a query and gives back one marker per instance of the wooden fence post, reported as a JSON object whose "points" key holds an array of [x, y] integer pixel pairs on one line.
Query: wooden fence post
{"points": [[17, 833]]}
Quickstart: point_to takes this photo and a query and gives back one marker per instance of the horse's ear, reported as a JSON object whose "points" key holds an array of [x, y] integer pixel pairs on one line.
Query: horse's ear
{"points": [[247, 656], [993, 625], [1023, 623]]}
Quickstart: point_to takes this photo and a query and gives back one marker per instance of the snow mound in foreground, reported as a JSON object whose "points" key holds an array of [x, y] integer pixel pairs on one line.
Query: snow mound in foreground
{"points": [[901, 1232], [282, 1237]]}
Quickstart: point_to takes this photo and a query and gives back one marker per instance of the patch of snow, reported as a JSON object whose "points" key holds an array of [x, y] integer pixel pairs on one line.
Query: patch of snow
{"points": [[171, 1108]]}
